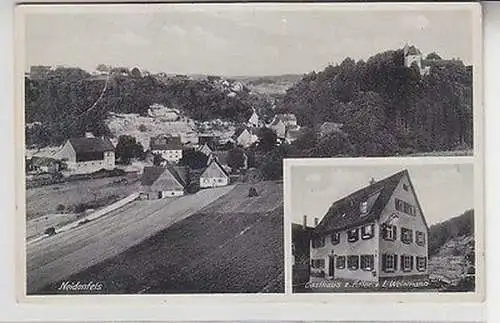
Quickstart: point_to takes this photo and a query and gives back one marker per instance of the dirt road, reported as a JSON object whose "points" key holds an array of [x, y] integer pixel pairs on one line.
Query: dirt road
{"points": [[64, 254]]}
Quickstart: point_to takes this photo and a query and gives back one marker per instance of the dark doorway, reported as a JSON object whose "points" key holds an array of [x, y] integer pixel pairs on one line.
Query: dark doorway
{"points": [[331, 266]]}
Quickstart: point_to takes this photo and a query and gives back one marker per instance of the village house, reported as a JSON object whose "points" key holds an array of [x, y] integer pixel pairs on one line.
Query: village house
{"points": [[43, 165], [214, 175], [278, 127], [169, 147], [160, 182], [244, 137], [327, 128], [376, 233], [205, 149], [87, 155], [288, 119], [254, 120]]}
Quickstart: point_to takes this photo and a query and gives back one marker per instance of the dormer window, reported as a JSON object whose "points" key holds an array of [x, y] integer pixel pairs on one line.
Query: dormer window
{"points": [[353, 235], [363, 208]]}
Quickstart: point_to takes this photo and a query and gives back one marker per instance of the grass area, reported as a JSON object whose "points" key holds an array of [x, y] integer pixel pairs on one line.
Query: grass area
{"points": [[75, 196], [234, 245]]}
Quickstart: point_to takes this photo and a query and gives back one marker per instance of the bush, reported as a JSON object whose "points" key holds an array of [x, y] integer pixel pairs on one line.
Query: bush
{"points": [[192, 188], [60, 207], [50, 231], [143, 128]]}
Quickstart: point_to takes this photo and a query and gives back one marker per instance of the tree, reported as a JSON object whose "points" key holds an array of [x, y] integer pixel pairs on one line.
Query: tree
{"points": [[236, 158], [433, 56], [127, 148], [267, 139], [194, 159]]}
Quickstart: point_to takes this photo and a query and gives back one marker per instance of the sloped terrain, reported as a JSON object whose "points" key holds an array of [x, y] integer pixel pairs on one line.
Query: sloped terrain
{"points": [[234, 245]]}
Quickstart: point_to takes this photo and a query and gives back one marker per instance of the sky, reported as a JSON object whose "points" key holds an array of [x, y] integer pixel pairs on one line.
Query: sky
{"points": [[238, 40], [444, 191]]}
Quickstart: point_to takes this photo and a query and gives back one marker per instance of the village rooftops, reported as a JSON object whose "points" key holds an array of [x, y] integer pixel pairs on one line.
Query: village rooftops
{"points": [[287, 117], [152, 173], [91, 145], [345, 213], [166, 143]]}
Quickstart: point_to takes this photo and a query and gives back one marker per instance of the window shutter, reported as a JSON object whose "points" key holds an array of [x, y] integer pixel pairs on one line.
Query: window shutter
{"points": [[411, 262], [394, 232], [384, 257]]}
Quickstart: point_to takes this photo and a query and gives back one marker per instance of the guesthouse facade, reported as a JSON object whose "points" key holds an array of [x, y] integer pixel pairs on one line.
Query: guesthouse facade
{"points": [[376, 233]]}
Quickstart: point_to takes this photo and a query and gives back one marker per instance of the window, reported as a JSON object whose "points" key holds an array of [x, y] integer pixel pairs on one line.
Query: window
{"points": [[421, 263], [420, 238], [367, 231], [406, 263], [389, 232], [367, 262], [405, 187], [398, 204], [363, 208], [318, 263], [389, 263], [340, 262], [335, 238], [318, 242], [353, 262], [406, 235], [353, 235]]}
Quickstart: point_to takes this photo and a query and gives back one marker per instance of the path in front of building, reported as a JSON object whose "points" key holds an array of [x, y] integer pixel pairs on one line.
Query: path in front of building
{"points": [[66, 253]]}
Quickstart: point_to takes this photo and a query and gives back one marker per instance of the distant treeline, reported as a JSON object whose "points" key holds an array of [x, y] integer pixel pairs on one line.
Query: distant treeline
{"points": [[440, 233], [387, 108], [58, 105]]}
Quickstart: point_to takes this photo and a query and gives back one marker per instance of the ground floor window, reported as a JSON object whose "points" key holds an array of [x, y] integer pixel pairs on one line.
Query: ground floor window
{"points": [[340, 262], [389, 263], [353, 262], [367, 262], [406, 263], [421, 263], [318, 263]]}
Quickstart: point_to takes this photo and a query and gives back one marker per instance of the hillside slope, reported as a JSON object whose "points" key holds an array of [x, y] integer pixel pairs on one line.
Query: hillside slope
{"points": [[234, 245]]}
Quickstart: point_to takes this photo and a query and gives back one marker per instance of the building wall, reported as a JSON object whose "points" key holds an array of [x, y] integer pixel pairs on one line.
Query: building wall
{"points": [[407, 221], [84, 167], [170, 155], [66, 153], [246, 139], [213, 181], [346, 248]]}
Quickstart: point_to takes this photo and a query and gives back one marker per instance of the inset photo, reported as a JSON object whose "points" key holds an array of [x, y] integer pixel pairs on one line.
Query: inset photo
{"points": [[382, 226]]}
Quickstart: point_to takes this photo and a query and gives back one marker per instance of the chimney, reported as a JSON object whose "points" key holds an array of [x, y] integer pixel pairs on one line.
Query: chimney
{"points": [[304, 222], [316, 221]]}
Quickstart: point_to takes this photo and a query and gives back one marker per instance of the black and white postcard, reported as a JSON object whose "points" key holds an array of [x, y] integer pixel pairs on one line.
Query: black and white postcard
{"points": [[152, 140]]}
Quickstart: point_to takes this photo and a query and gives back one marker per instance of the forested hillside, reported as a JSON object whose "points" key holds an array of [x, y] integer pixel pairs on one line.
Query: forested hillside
{"points": [[387, 108], [60, 106], [440, 233]]}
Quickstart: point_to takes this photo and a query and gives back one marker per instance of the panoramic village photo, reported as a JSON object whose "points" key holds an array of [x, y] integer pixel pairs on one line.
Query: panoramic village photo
{"points": [[382, 228], [155, 136]]}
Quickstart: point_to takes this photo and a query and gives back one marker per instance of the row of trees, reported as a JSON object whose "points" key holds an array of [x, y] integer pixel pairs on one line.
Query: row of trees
{"points": [[61, 105]]}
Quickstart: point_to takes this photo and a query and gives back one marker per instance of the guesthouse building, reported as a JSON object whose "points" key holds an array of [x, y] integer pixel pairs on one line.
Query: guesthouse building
{"points": [[376, 233]]}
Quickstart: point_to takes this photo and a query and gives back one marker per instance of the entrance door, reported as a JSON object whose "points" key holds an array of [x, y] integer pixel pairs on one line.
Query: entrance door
{"points": [[331, 266]]}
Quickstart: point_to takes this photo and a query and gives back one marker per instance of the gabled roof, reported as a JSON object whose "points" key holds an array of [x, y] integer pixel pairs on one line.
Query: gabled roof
{"points": [[165, 143], [239, 131], [214, 169], [345, 213], [91, 145], [276, 121], [161, 178]]}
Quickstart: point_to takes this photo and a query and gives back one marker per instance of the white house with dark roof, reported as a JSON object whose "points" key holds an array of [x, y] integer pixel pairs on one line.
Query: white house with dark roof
{"points": [[169, 147], [87, 155], [254, 120], [160, 182], [244, 137], [279, 127], [214, 175], [374, 234]]}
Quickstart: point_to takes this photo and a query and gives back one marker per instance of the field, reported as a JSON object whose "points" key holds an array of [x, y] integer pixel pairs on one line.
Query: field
{"points": [[44, 200], [234, 244], [69, 252]]}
